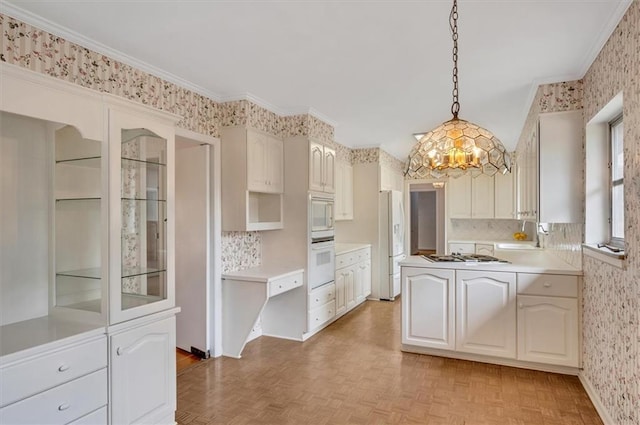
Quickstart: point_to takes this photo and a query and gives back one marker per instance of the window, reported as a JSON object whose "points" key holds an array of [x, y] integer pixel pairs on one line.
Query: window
{"points": [[616, 165]]}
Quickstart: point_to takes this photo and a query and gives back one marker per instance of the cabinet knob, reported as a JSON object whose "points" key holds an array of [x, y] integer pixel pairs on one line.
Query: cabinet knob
{"points": [[63, 368], [119, 351], [546, 285], [521, 305], [64, 406], [280, 286], [317, 300]]}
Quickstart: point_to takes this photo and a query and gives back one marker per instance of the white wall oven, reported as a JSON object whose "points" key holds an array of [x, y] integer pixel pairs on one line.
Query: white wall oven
{"points": [[322, 263]]}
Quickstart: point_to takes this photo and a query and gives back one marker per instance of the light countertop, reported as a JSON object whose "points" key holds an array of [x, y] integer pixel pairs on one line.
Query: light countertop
{"points": [[492, 241], [523, 261], [264, 273], [343, 248]]}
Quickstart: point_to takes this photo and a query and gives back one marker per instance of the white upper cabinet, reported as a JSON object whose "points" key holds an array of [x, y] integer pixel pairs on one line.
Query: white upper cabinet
{"points": [[344, 191], [560, 167], [322, 168], [252, 180], [265, 163], [504, 195], [550, 170], [459, 196], [482, 196]]}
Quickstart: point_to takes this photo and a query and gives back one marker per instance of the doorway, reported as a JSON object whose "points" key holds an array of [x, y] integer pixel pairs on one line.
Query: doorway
{"points": [[197, 250], [426, 218]]}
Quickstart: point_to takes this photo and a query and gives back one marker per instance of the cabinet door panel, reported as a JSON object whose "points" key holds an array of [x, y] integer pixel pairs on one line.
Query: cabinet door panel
{"points": [[504, 202], [486, 316], [428, 302], [316, 161], [459, 196], [482, 196], [275, 166], [329, 170], [548, 330], [349, 286], [143, 373], [341, 300], [257, 148]]}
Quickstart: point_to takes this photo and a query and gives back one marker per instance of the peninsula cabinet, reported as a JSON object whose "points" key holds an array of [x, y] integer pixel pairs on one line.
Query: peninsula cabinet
{"points": [[91, 231], [428, 307], [486, 317], [322, 168], [548, 319], [252, 180], [503, 317]]}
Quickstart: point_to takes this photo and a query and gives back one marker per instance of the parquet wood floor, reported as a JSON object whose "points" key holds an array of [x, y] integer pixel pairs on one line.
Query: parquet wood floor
{"points": [[353, 372], [184, 360]]}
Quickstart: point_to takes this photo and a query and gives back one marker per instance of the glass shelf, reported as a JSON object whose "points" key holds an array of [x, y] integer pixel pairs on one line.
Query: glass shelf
{"points": [[144, 199], [140, 271], [132, 300], [92, 273], [77, 199], [132, 162], [89, 162]]}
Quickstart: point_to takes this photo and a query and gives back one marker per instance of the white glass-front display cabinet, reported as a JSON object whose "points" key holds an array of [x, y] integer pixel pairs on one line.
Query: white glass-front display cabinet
{"points": [[79, 214], [142, 169]]}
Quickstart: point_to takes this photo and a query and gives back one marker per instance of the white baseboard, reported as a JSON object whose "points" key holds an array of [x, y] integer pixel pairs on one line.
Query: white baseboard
{"points": [[595, 399]]}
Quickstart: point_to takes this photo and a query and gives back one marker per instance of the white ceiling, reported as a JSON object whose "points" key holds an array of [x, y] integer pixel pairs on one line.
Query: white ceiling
{"points": [[377, 70]]}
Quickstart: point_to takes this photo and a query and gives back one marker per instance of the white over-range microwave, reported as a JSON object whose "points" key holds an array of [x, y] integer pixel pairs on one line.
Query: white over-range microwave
{"points": [[321, 218]]}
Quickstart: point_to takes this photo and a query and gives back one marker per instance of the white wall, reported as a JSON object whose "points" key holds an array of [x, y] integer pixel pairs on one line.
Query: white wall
{"points": [[24, 218]]}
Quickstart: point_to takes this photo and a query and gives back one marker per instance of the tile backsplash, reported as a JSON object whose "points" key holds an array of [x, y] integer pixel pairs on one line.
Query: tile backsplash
{"points": [[488, 229]]}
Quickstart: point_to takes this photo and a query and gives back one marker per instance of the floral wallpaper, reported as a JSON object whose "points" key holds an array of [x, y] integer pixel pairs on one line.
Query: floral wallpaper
{"points": [[366, 156], [26, 46], [555, 97], [391, 161], [611, 299], [241, 250]]}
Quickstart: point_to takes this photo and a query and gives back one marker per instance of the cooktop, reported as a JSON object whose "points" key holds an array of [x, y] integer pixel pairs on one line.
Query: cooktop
{"points": [[463, 258]]}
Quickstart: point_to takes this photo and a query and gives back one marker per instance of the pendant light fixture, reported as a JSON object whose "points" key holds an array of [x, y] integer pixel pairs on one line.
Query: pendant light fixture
{"points": [[457, 146]]}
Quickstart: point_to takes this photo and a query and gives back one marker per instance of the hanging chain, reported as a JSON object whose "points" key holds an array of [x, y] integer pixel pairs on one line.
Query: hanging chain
{"points": [[453, 23]]}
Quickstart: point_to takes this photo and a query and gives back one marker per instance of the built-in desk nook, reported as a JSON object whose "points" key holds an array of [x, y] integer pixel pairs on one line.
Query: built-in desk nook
{"points": [[249, 294]]}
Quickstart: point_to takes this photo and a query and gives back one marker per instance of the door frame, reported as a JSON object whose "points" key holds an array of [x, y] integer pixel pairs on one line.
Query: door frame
{"points": [[214, 241], [441, 213]]}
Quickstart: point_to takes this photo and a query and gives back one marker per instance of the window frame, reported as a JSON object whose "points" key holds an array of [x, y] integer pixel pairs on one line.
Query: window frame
{"points": [[618, 120]]}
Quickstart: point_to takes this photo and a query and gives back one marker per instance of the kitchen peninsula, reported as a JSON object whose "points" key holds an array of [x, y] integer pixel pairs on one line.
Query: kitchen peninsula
{"points": [[522, 313]]}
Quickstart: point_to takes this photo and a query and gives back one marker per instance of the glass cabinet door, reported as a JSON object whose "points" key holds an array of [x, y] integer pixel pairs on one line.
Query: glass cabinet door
{"points": [[141, 280], [144, 211]]}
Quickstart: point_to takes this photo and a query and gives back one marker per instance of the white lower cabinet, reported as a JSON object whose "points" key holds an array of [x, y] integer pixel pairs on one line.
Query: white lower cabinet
{"points": [[322, 305], [428, 307], [486, 317], [548, 328], [143, 373], [353, 279], [524, 316]]}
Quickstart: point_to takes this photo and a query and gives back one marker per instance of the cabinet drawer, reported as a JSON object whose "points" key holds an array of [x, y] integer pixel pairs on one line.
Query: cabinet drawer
{"points": [[284, 284], [322, 314], [345, 260], [62, 404], [38, 374], [363, 255], [553, 285], [322, 295], [99, 417]]}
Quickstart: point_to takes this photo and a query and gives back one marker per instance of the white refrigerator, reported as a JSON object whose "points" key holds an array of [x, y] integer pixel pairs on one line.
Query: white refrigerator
{"points": [[391, 231]]}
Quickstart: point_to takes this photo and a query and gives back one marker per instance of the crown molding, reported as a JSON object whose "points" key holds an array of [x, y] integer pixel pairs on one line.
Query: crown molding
{"points": [[77, 38], [603, 36], [283, 112]]}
